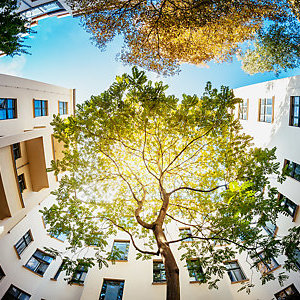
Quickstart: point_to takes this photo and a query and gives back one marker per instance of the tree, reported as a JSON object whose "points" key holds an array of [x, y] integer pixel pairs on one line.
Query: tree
{"points": [[138, 159], [275, 49], [13, 27], [160, 35]]}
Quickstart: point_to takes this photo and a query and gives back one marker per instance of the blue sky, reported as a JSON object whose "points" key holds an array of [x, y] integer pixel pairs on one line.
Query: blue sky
{"points": [[62, 54]]}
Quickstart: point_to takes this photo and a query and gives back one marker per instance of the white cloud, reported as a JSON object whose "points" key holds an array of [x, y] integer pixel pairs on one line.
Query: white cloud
{"points": [[12, 66]]}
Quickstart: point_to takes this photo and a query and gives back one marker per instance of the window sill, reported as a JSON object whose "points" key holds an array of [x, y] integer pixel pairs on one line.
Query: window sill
{"points": [[53, 237], [53, 279], [196, 281], [159, 283], [32, 271], [75, 283], [272, 270], [118, 260], [240, 281]]}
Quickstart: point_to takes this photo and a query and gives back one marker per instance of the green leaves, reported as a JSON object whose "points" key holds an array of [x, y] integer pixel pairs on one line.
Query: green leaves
{"points": [[136, 158]]}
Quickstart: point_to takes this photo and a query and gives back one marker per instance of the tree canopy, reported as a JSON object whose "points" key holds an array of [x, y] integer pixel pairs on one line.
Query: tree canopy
{"points": [[137, 159], [160, 35], [13, 27]]}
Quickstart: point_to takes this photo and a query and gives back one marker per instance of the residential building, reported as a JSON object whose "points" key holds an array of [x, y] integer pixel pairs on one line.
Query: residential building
{"points": [[270, 112]]}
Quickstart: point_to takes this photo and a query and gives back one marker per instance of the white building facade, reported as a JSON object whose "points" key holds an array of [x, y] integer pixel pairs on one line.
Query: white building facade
{"points": [[26, 150]]}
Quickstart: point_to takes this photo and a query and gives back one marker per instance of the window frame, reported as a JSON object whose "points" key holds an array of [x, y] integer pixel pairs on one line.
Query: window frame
{"points": [[292, 287], [294, 166], [16, 148], [23, 239], [64, 109], [231, 274], [265, 105], [195, 269], [82, 270], [265, 265], [59, 270], [2, 274], [18, 290], [161, 270], [41, 108], [41, 261], [13, 109], [243, 109], [292, 106], [185, 231], [104, 288], [123, 257], [21, 182], [288, 203]]}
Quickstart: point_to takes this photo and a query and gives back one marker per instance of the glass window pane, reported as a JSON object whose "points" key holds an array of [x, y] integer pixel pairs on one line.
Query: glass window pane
{"points": [[32, 263]]}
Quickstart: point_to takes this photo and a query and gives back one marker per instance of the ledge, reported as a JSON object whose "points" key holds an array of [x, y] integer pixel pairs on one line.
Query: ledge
{"points": [[159, 283], [240, 281], [75, 283], [32, 271], [196, 281]]}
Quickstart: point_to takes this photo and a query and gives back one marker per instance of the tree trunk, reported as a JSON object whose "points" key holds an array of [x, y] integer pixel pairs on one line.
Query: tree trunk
{"points": [[172, 270]]}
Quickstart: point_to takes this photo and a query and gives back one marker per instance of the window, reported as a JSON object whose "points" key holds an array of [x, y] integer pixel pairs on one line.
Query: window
{"points": [[112, 290], [40, 108], [270, 228], [79, 274], [266, 265], [21, 180], [2, 274], [159, 272], [185, 232], [8, 108], [42, 9], [195, 270], [288, 291], [266, 106], [293, 169], [16, 150], [234, 271], [289, 205], [23, 243], [58, 271], [63, 107], [295, 111], [243, 110], [297, 258], [120, 250], [60, 236], [15, 293], [39, 262]]}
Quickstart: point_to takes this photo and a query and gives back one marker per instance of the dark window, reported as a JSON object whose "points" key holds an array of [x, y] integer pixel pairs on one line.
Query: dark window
{"points": [[112, 290], [15, 293], [195, 270], [120, 250], [243, 110], [266, 110], [159, 272], [17, 150], [8, 109], [63, 107], [270, 228], [289, 292], [39, 262], [2, 274], [79, 274], [266, 265], [295, 110], [59, 270], [21, 180], [293, 169], [21, 245], [297, 258], [289, 205], [40, 108], [185, 233], [234, 271]]}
